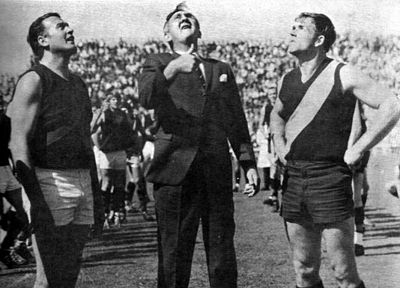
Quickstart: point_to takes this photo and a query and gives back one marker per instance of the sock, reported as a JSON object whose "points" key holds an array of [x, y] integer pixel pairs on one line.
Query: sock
{"points": [[358, 238], [361, 285], [359, 216]]}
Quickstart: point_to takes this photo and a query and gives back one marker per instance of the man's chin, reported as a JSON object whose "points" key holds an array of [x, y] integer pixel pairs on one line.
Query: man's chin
{"points": [[293, 52], [72, 51]]}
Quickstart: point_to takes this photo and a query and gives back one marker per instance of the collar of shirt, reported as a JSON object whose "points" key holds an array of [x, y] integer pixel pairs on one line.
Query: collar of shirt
{"points": [[201, 65]]}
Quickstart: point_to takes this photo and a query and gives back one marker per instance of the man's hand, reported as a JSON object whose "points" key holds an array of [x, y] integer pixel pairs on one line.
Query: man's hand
{"points": [[183, 64], [352, 157], [253, 185], [280, 154]]}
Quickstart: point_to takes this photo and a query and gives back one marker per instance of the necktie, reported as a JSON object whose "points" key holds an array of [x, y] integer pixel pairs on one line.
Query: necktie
{"points": [[199, 70]]}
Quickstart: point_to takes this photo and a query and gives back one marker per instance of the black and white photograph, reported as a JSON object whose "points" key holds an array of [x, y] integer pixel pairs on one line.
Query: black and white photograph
{"points": [[194, 144]]}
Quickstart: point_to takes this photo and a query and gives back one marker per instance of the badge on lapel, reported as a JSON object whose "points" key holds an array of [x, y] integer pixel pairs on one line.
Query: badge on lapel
{"points": [[223, 78]]}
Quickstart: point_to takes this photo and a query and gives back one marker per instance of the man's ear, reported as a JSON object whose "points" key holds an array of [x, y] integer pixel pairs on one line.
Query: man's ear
{"points": [[319, 41], [199, 34], [42, 41], [167, 37]]}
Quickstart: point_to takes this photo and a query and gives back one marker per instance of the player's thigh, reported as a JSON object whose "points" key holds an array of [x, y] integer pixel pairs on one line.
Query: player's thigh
{"points": [[339, 242], [305, 241]]}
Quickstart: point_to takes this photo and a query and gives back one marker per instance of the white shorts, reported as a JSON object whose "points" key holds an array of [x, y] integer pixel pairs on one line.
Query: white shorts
{"points": [[8, 182], [112, 160], [68, 194], [148, 151], [96, 152]]}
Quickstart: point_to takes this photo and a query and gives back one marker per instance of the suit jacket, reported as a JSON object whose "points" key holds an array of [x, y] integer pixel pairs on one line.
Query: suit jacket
{"points": [[180, 106]]}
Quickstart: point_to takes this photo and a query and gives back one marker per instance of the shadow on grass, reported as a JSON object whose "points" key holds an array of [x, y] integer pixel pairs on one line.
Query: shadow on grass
{"points": [[387, 230], [381, 254], [134, 239]]}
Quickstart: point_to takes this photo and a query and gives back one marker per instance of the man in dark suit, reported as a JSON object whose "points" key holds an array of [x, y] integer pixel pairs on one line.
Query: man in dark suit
{"points": [[197, 104]]}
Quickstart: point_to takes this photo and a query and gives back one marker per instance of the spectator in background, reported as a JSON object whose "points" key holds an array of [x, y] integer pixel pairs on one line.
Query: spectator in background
{"points": [[14, 220], [140, 126], [267, 158], [114, 137]]}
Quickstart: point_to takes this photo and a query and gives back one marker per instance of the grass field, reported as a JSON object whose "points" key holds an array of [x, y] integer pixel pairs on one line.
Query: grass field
{"points": [[126, 257]]}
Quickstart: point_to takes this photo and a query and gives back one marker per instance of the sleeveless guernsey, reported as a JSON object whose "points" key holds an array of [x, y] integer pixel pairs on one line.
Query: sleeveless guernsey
{"points": [[62, 136], [326, 137]]}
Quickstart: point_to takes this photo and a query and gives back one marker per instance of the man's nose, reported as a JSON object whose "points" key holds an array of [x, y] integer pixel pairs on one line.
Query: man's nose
{"points": [[69, 30]]}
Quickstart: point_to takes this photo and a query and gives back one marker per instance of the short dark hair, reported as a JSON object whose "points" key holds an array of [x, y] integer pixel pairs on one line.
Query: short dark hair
{"points": [[180, 7], [35, 30], [324, 27]]}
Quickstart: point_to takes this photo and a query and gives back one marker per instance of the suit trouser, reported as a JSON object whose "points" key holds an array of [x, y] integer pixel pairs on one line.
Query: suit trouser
{"points": [[179, 210]]}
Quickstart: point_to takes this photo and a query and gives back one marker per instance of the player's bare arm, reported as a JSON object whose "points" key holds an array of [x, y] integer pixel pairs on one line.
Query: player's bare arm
{"points": [[376, 96], [23, 112], [278, 130]]}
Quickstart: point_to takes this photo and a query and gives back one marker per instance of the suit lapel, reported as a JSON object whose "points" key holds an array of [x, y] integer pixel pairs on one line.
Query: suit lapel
{"points": [[166, 58]]}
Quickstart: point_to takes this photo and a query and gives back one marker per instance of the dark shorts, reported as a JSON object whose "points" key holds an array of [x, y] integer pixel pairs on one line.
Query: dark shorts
{"points": [[317, 192]]}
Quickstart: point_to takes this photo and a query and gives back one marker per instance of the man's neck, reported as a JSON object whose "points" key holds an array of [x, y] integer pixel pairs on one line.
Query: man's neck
{"points": [[58, 64], [308, 65], [183, 48]]}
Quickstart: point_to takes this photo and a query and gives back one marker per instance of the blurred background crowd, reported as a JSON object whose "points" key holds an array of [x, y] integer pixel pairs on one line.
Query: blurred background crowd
{"points": [[114, 69]]}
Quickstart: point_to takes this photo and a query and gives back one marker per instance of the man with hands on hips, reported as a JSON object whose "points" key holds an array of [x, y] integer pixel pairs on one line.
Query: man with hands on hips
{"points": [[311, 124]]}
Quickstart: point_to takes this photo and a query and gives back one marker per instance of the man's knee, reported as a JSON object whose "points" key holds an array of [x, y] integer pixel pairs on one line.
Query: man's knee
{"points": [[306, 272], [41, 283], [345, 271]]}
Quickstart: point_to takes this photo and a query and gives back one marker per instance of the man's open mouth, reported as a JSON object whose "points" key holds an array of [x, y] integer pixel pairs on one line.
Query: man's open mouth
{"points": [[185, 25]]}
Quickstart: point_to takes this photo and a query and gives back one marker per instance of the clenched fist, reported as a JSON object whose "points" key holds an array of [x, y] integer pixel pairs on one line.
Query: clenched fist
{"points": [[183, 64]]}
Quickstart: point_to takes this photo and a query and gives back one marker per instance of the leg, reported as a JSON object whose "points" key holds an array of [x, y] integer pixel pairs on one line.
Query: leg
{"points": [[58, 255], [340, 248], [272, 200], [117, 197], [71, 248], [142, 194], [177, 210], [264, 178], [365, 188], [305, 241], [130, 190], [41, 279], [218, 234], [119, 190], [143, 199], [106, 188], [358, 179], [129, 187], [273, 177], [14, 197]]}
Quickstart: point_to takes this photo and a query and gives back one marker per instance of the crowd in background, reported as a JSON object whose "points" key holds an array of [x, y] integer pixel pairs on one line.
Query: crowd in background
{"points": [[114, 69]]}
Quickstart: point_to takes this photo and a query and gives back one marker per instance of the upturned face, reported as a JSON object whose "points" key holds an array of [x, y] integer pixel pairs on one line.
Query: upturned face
{"points": [[114, 103], [57, 36], [302, 36], [181, 27]]}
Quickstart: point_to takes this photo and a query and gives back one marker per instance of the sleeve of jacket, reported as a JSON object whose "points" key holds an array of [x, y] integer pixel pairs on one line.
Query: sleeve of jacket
{"points": [[152, 82], [239, 136]]}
